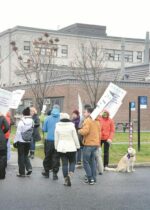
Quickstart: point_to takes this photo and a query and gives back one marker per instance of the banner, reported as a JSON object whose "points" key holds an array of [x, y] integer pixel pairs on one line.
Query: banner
{"points": [[5, 100], [16, 98], [80, 105], [111, 101]]}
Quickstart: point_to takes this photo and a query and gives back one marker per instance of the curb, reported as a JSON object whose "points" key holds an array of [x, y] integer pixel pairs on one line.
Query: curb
{"points": [[137, 165]]}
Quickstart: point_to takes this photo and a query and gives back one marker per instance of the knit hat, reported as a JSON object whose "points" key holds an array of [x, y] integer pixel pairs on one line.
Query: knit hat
{"points": [[64, 116], [76, 112], [26, 111]]}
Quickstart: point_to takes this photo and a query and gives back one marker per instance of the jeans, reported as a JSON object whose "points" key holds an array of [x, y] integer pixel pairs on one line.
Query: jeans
{"points": [[23, 160], [99, 161], [68, 162], [106, 152], [89, 161], [79, 155], [52, 158], [32, 145]]}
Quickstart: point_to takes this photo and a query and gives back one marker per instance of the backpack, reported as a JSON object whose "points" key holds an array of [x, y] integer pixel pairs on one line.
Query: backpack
{"points": [[27, 135]]}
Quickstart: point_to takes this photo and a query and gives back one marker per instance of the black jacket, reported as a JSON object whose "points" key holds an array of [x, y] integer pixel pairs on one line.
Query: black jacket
{"points": [[36, 133]]}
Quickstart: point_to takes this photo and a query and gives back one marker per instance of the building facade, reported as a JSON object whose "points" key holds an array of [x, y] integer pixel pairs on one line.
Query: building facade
{"points": [[66, 88]]}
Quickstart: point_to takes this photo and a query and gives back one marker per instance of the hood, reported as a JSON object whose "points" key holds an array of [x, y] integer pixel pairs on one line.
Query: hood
{"points": [[105, 112], [55, 112], [27, 121]]}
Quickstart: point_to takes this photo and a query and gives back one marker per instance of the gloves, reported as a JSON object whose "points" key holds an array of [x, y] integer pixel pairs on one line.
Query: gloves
{"points": [[109, 141], [15, 145]]}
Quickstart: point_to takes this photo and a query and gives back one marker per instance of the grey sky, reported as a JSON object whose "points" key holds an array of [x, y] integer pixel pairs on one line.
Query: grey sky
{"points": [[126, 18]]}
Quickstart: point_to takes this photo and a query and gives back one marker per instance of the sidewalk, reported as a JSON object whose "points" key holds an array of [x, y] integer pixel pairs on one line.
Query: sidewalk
{"points": [[36, 162]]}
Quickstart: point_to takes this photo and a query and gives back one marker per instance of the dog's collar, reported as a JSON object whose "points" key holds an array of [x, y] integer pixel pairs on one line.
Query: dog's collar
{"points": [[129, 156]]}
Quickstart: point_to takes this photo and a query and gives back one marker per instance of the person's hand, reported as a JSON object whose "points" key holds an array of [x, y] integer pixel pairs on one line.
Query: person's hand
{"points": [[109, 141]]}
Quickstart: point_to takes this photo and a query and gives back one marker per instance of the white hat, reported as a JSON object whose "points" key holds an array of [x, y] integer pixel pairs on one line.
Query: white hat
{"points": [[64, 116]]}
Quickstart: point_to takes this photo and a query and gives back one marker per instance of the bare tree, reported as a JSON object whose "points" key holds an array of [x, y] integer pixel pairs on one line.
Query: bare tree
{"points": [[38, 66], [87, 68]]}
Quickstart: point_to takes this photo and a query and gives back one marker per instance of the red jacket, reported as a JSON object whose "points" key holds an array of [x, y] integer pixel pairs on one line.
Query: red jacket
{"points": [[107, 128], [7, 135]]}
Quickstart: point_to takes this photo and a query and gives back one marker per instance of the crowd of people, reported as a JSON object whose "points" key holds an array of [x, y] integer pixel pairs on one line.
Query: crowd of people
{"points": [[70, 140]]}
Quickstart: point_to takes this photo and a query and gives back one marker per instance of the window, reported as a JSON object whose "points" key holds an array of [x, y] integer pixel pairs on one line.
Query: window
{"points": [[115, 55], [139, 56], [64, 50], [128, 56], [54, 100], [26, 47], [27, 102]]}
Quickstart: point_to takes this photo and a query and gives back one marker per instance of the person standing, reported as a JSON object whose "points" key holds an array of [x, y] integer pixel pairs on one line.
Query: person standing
{"points": [[107, 133], [36, 134], [66, 143], [91, 141], [23, 146], [76, 121], [52, 159], [7, 135], [4, 127]]}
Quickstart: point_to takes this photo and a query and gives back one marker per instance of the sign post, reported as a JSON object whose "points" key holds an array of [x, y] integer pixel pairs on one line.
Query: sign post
{"points": [[139, 124], [142, 104]]}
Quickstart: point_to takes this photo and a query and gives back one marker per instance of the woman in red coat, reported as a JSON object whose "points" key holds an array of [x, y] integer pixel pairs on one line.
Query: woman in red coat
{"points": [[107, 133]]}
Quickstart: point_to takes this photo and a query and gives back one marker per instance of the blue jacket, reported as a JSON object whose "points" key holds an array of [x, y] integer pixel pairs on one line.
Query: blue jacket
{"points": [[50, 124]]}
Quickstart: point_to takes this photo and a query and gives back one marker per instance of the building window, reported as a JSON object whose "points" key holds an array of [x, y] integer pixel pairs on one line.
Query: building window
{"points": [[27, 102], [128, 56], [139, 56], [26, 47], [64, 51], [54, 100], [115, 55]]}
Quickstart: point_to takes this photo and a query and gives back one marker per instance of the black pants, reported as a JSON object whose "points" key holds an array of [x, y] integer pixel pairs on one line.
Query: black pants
{"points": [[68, 162], [52, 158], [106, 152], [23, 160]]}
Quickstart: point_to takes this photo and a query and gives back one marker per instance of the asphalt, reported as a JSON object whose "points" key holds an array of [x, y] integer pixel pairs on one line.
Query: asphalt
{"points": [[113, 191]]}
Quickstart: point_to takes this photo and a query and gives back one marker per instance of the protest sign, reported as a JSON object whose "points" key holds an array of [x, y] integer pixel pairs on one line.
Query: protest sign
{"points": [[16, 98], [110, 101], [80, 105], [5, 100]]}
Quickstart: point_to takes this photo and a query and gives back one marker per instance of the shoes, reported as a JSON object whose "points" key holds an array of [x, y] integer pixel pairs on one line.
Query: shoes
{"points": [[29, 173], [89, 181], [55, 177], [20, 175], [32, 156], [100, 173], [45, 174], [106, 168], [68, 181]]}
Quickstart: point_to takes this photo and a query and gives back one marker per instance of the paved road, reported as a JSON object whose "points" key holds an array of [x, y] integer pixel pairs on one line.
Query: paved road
{"points": [[114, 191]]}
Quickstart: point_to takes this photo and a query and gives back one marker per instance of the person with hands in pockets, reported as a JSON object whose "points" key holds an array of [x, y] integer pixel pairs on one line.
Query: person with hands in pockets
{"points": [[66, 143], [107, 133]]}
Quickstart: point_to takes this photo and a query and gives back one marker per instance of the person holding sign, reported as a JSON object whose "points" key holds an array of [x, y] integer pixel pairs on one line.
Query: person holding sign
{"points": [[107, 133]]}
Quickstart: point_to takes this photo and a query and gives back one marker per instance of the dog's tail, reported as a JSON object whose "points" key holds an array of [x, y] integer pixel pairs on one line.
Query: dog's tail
{"points": [[110, 169]]}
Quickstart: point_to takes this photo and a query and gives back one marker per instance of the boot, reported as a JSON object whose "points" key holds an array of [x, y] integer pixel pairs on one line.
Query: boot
{"points": [[65, 181], [45, 174], [55, 177], [32, 155]]}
